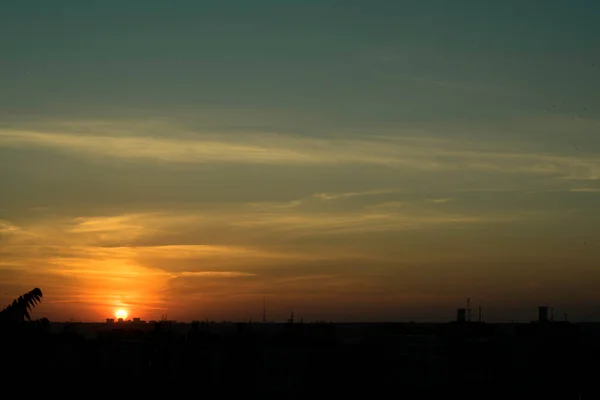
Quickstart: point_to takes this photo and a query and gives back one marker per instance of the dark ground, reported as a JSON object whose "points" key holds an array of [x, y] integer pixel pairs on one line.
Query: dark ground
{"points": [[469, 360]]}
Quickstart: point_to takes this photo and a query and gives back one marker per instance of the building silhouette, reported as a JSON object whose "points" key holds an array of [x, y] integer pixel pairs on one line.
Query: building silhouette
{"points": [[543, 314]]}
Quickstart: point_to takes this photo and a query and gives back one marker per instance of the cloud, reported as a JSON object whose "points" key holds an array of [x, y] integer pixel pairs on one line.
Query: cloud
{"points": [[149, 249], [585, 190], [571, 190], [309, 201], [273, 149], [294, 225], [310, 277], [78, 265], [276, 205], [240, 231], [440, 201], [336, 196], [214, 274]]}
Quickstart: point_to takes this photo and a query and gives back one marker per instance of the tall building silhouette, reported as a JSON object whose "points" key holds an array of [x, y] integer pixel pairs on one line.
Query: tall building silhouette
{"points": [[461, 314], [543, 313]]}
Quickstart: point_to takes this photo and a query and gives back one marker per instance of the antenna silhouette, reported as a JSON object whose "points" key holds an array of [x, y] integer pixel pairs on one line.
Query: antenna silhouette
{"points": [[469, 309], [264, 311]]}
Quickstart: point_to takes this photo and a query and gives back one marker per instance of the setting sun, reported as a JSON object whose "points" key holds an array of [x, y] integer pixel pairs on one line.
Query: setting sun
{"points": [[121, 314]]}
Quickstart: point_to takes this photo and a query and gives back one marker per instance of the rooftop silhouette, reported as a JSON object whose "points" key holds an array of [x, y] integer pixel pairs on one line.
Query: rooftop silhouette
{"points": [[297, 359]]}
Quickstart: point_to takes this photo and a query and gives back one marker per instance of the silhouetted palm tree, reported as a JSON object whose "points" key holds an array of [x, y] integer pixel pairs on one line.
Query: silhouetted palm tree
{"points": [[19, 310]]}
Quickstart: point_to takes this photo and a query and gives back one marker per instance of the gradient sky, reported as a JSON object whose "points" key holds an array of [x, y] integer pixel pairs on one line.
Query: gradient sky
{"points": [[347, 160]]}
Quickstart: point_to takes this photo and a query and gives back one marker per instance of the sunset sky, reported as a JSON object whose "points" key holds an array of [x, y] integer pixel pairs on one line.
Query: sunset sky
{"points": [[346, 160]]}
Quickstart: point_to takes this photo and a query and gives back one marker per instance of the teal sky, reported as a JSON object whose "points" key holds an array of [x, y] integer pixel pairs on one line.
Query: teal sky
{"points": [[348, 160]]}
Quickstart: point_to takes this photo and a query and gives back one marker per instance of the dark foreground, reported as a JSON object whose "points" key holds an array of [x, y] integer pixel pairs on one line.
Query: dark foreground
{"points": [[467, 361]]}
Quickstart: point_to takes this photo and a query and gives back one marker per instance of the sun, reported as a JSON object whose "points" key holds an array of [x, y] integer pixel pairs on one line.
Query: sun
{"points": [[121, 314]]}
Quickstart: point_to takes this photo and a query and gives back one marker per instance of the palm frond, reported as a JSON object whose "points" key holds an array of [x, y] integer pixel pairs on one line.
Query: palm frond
{"points": [[19, 309]]}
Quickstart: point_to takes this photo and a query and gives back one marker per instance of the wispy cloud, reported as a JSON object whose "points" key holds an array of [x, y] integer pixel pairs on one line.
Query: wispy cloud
{"points": [[7, 227], [343, 195], [213, 274], [317, 277], [571, 190], [585, 190], [275, 205], [292, 225], [123, 247], [324, 196], [440, 201], [78, 263], [295, 150]]}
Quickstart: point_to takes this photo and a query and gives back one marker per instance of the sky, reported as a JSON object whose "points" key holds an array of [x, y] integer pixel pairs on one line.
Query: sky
{"points": [[345, 160]]}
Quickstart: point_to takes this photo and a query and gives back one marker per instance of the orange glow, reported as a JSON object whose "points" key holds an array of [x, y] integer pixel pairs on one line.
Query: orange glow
{"points": [[121, 314]]}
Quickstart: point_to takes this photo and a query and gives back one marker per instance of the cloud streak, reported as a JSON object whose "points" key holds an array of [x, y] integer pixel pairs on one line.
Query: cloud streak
{"points": [[290, 150], [213, 274], [440, 201], [344, 195], [585, 190]]}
